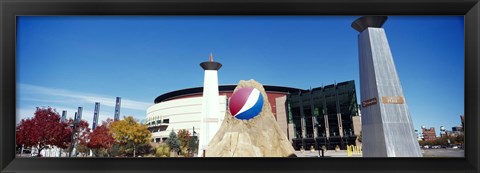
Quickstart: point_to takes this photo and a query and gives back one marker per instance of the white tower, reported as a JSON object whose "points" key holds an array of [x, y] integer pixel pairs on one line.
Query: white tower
{"points": [[211, 118]]}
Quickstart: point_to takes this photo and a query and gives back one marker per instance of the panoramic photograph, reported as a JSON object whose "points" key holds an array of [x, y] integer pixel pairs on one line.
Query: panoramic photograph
{"points": [[240, 86]]}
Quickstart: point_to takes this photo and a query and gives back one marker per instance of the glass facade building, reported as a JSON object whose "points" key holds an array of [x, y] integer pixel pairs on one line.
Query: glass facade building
{"points": [[323, 116]]}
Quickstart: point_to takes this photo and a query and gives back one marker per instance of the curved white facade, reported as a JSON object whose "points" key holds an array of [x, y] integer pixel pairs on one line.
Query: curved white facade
{"points": [[179, 114]]}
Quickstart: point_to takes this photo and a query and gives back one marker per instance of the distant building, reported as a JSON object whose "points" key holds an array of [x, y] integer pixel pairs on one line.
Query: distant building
{"points": [[429, 134], [457, 129], [419, 135]]}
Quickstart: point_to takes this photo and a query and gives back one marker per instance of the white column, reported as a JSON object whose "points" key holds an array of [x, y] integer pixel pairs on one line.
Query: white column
{"points": [[210, 120]]}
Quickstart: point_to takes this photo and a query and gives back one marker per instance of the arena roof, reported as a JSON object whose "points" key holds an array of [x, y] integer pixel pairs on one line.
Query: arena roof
{"points": [[222, 88]]}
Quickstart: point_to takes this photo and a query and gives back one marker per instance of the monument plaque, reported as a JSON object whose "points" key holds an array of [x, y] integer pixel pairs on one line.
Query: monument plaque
{"points": [[369, 102], [392, 100]]}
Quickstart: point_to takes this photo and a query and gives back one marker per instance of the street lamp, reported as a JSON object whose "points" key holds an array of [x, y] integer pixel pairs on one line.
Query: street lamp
{"points": [[73, 126], [194, 141]]}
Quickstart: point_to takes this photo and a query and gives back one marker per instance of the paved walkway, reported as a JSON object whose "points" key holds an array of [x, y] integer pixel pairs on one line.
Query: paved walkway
{"points": [[426, 153], [329, 153], [443, 152]]}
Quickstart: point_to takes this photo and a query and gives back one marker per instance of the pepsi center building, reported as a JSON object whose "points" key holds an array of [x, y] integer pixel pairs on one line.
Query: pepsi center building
{"points": [[181, 109], [323, 116], [333, 121]]}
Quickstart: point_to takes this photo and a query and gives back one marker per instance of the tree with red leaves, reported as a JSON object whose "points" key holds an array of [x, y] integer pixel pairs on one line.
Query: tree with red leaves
{"points": [[184, 137], [43, 131], [82, 131], [101, 139]]}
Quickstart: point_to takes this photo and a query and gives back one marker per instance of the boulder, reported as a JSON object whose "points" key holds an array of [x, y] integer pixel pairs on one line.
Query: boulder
{"points": [[257, 137]]}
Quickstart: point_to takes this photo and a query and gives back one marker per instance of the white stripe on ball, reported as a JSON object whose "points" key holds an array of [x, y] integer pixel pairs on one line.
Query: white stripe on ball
{"points": [[252, 99]]}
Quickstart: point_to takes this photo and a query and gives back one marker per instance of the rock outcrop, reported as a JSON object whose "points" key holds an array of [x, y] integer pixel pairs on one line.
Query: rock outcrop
{"points": [[257, 137]]}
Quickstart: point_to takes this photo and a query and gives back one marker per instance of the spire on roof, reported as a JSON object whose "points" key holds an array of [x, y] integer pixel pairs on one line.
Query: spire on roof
{"points": [[211, 57]]}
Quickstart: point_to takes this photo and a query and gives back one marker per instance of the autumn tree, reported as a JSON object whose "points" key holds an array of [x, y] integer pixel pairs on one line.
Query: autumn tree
{"points": [[98, 141], [184, 137], [82, 131], [459, 139], [421, 143], [83, 149], [43, 131], [117, 149], [101, 139], [129, 131], [444, 140]]}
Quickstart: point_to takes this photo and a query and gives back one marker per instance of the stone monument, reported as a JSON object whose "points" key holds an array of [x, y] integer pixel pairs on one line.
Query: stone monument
{"points": [[387, 127], [259, 136]]}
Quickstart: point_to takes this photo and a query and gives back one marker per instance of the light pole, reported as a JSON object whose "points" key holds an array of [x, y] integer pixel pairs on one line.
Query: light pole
{"points": [[194, 141], [73, 126], [71, 139]]}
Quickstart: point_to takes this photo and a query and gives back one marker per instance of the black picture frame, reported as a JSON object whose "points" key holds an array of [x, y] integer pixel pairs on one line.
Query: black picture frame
{"points": [[9, 9]]}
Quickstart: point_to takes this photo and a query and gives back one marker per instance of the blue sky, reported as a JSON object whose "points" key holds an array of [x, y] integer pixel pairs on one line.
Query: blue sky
{"points": [[70, 61]]}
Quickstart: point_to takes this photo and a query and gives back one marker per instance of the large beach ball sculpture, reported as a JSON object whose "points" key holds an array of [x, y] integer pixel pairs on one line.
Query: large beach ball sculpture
{"points": [[246, 103]]}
